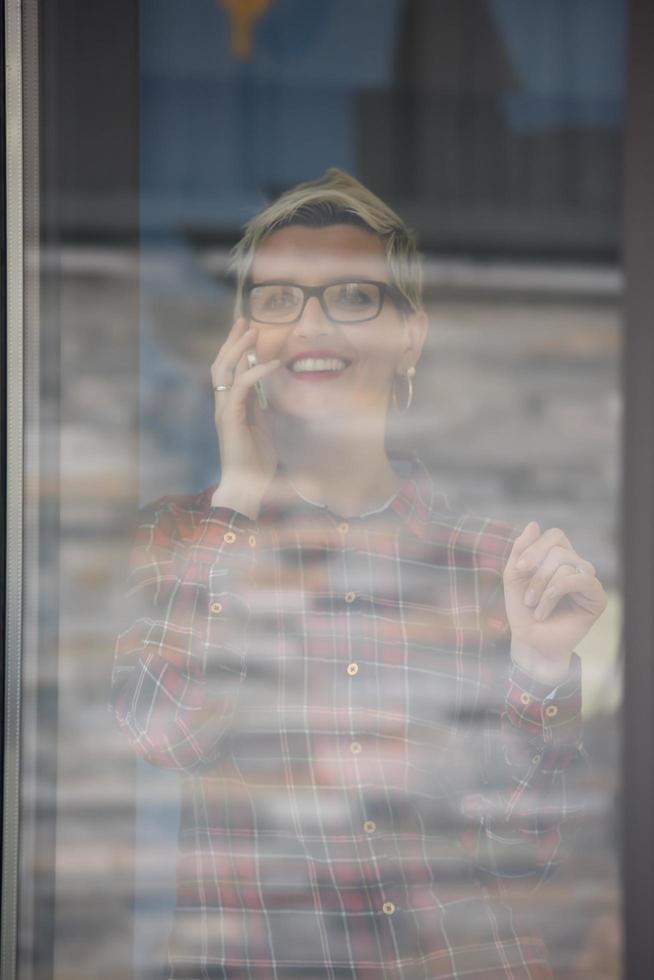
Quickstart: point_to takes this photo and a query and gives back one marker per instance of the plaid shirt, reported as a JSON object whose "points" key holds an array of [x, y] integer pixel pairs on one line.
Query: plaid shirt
{"points": [[364, 769]]}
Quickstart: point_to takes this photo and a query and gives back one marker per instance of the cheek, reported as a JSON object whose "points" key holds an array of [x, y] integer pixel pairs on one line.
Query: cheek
{"points": [[268, 347], [380, 356], [382, 345]]}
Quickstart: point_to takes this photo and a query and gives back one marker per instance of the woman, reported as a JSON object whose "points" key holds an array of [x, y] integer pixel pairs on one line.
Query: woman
{"points": [[372, 698]]}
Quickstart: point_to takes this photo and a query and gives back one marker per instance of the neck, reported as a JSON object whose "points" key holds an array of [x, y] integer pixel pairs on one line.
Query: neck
{"points": [[345, 470]]}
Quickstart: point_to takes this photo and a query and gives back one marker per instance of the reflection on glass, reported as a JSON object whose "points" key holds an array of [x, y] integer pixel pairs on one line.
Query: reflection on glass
{"points": [[328, 775], [373, 696]]}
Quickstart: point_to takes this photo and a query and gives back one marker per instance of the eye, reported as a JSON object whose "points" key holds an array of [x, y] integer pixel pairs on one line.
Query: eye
{"points": [[354, 295], [275, 302], [274, 297]]}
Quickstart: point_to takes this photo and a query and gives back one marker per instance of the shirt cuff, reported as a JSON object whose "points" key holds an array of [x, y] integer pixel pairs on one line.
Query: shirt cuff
{"points": [[552, 716]]}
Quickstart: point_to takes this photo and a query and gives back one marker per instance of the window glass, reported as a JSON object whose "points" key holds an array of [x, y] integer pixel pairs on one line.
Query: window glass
{"points": [[285, 709]]}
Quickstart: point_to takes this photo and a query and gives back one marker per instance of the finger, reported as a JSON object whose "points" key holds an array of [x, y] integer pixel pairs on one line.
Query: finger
{"points": [[527, 536], [244, 382], [243, 363], [547, 598], [222, 373], [234, 363], [534, 554], [237, 328], [224, 367], [586, 590], [555, 558]]}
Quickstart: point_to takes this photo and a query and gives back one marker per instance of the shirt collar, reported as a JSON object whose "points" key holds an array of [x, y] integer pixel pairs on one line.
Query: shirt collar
{"points": [[413, 501]]}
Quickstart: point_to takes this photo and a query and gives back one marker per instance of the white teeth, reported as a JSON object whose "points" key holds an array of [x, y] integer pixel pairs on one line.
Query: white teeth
{"points": [[318, 364]]}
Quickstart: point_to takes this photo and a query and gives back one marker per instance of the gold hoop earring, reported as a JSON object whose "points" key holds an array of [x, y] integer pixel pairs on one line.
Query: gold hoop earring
{"points": [[410, 374]]}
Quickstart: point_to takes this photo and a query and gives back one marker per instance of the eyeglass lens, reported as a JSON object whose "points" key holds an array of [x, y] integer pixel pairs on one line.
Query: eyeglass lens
{"points": [[345, 302]]}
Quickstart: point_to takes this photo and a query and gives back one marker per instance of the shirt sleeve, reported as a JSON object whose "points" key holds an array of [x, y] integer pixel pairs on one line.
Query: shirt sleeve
{"points": [[530, 795], [180, 661]]}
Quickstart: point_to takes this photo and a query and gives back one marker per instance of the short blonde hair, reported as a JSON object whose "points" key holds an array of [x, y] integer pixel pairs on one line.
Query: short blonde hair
{"points": [[334, 198]]}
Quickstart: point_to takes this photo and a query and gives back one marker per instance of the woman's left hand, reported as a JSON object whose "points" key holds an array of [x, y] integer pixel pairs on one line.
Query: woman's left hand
{"points": [[552, 599]]}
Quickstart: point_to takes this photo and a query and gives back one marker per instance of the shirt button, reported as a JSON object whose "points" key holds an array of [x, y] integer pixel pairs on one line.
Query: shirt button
{"points": [[344, 527], [252, 540], [388, 908], [535, 760], [229, 537], [216, 607], [355, 747], [370, 826], [350, 596], [524, 697], [551, 711], [352, 669]]}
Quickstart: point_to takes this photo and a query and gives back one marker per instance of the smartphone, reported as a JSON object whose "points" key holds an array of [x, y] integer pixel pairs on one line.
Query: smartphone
{"points": [[258, 386]]}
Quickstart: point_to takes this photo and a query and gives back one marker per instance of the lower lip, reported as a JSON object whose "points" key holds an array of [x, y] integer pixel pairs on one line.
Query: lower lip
{"points": [[317, 375]]}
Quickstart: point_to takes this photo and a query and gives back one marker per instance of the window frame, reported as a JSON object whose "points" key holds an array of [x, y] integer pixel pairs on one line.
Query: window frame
{"points": [[637, 802], [637, 839]]}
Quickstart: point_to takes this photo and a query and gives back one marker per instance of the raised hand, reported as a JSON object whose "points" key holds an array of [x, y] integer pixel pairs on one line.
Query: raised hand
{"points": [[552, 599], [247, 452]]}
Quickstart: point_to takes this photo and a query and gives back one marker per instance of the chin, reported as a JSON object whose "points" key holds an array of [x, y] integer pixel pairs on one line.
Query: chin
{"points": [[326, 403], [312, 412], [301, 405]]}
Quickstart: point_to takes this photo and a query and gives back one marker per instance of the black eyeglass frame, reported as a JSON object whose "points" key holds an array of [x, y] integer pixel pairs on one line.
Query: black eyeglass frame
{"points": [[385, 289]]}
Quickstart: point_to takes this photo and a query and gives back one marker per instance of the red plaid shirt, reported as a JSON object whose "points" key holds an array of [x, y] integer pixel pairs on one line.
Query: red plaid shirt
{"points": [[363, 767]]}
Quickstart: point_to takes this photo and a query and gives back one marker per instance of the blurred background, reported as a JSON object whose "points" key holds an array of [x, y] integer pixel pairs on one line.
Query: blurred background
{"points": [[154, 130]]}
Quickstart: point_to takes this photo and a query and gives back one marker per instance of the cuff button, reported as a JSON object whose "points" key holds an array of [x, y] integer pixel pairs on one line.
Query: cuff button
{"points": [[229, 537], [551, 711]]}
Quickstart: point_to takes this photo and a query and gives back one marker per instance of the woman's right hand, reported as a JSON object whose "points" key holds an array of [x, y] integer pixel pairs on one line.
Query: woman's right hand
{"points": [[247, 452]]}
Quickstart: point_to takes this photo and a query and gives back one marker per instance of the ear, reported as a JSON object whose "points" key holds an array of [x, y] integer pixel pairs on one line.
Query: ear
{"points": [[415, 333]]}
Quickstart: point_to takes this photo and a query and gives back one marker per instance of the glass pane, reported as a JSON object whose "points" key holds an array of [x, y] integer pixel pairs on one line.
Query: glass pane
{"points": [[285, 709]]}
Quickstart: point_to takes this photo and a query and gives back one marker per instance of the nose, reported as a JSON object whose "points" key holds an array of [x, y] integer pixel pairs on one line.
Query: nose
{"points": [[313, 320]]}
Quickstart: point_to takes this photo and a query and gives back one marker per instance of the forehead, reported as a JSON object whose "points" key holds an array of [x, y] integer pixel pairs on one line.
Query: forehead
{"points": [[316, 255]]}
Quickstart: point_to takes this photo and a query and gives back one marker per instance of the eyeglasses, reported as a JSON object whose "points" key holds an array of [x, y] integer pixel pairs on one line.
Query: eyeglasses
{"points": [[344, 301]]}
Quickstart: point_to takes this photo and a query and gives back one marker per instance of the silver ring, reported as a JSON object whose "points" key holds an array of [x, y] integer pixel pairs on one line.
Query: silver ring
{"points": [[222, 387]]}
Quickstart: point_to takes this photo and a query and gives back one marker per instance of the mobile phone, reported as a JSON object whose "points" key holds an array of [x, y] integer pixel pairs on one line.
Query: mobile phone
{"points": [[258, 387]]}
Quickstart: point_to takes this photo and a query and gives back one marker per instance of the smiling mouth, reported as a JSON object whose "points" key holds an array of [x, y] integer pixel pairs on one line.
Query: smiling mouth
{"points": [[315, 368]]}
